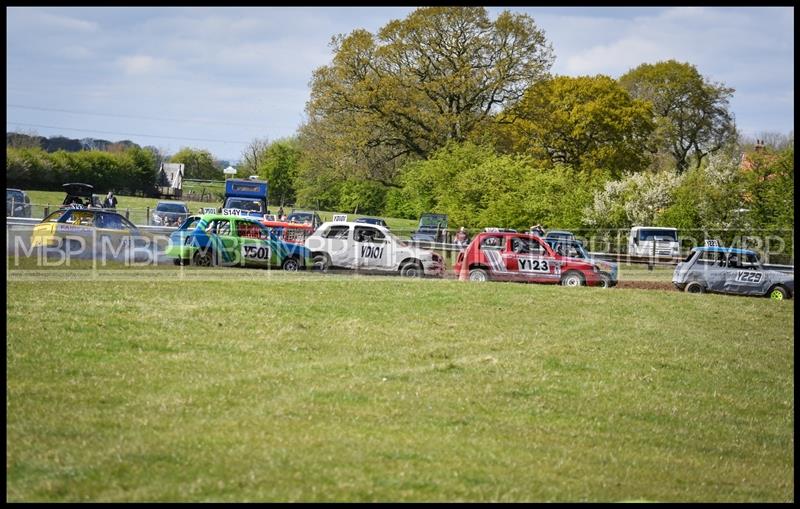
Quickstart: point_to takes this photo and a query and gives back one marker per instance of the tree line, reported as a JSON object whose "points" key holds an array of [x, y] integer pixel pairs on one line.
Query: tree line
{"points": [[449, 111]]}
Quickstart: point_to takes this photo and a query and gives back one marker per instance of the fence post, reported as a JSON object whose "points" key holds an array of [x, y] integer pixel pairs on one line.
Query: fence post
{"points": [[653, 257], [46, 210], [147, 211], [12, 206], [127, 213]]}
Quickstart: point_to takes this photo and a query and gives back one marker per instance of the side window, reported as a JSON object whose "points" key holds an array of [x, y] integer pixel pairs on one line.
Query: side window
{"points": [[108, 221], [492, 242], [750, 262], [526, 246], [219, 227], [81, 218], [337, 232], [711, 259], [367, 234], [249, 230]]}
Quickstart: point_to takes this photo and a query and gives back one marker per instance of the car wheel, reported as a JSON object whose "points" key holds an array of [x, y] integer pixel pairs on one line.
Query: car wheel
{"points": [[180, 261], [694, 287], [290, 265], [204, 258], [573, 278], [605, 281], [778, 293], [479, 275], [411, 269], [321, 262]]}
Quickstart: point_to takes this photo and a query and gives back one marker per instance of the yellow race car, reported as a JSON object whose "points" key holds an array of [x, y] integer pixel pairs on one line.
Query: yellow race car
{"points": [[79, 231]]}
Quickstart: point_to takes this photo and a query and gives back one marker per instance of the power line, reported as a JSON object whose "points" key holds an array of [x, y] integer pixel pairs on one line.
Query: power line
{"points": [[122, 134], [121, 115]]}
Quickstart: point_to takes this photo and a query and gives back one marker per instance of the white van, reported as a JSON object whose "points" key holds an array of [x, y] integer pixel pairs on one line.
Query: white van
{"points": [[642, 239]]}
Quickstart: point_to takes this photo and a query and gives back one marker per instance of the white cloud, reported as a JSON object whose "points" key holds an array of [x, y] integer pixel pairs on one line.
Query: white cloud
{"points": [[141, 64]]}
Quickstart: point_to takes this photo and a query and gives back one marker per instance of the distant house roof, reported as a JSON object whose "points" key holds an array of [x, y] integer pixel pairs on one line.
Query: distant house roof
{"points": [[230, 170]]}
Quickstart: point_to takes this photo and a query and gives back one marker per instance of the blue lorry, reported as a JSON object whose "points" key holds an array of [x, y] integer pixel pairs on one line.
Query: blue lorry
{"points": [[246, 198]]}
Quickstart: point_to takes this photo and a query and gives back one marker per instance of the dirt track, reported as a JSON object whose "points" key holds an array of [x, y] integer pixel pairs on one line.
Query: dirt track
{"points": [[647, 285]]}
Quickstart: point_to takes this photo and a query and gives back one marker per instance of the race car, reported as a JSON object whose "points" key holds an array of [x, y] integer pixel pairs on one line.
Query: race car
{"points": [[82, 231], [574, 249], [217, 239], [733, 271], [369, 247], [522, 257]]}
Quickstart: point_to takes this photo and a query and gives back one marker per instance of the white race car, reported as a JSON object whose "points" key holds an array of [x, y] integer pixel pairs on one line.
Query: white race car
{"points": [[369, 247]]}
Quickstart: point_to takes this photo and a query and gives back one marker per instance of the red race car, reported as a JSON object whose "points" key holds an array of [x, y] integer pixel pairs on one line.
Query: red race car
{"points": [[521, 257]]}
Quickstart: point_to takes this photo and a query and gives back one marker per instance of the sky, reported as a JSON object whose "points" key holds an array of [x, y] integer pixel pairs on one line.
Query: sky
{"points": [[216, 78]]}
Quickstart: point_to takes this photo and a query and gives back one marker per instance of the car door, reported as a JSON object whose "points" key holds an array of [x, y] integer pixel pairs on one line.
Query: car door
{"points": [[745, 276], [372, 250], [337, 243], [531, 260], [223, 240], [253, 246]]}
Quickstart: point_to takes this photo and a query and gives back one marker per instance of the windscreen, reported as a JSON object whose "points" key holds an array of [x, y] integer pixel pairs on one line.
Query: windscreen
{"points": [[654, 234], [172, 207], [433, 221], [244, 204]]}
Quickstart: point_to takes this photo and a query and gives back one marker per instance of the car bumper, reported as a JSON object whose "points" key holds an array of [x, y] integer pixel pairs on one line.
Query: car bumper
{"points": [[184, 252], [433, 268]]}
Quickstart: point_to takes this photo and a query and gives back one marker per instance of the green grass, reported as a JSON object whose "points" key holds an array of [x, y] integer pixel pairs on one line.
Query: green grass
{"points": [[235, 384]]}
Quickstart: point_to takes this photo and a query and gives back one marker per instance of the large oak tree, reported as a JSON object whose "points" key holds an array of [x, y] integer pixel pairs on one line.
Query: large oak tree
{"points": [[692, 115], [417, 84]]}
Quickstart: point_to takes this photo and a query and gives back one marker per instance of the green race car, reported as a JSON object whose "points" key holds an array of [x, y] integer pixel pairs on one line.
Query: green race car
{"points": [[215, 239]]}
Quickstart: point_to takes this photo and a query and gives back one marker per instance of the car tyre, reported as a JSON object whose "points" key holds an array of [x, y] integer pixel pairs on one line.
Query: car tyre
{"points": [[321, 262], [290, 265], [573, 278], [694, 287], [778, 293], [204, 258], [479, 275], [605, 281], [411, 269], [180, 261]]}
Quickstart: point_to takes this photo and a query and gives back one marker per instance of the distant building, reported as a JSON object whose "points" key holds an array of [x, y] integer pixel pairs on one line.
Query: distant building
{"points": [[170, 180]]}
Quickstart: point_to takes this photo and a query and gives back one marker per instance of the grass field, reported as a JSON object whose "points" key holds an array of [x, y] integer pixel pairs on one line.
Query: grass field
{"points": [[234, 384]]}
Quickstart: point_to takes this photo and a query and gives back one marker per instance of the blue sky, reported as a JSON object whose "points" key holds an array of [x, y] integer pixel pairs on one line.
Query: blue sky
{"points": [[216, 78]]}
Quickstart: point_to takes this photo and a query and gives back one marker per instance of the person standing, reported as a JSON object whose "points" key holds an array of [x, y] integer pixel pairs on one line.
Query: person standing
{"points": [[461, 238], [110, 201]]}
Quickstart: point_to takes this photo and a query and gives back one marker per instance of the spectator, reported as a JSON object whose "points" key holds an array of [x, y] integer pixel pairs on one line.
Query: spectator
{"points": [[280, 213], [110, 201], [461, 238], [537, 230]]}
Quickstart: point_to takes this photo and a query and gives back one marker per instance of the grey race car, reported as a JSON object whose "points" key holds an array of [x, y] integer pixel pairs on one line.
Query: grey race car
{"points": [[729, 270]]}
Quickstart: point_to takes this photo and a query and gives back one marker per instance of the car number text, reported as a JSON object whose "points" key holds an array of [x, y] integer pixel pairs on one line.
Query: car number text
{"points": [[255, 252], [528, 265], [744, 276], [371, 252]]}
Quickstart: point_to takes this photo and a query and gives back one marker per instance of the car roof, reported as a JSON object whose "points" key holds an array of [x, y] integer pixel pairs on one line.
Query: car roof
{"points": [[559, 231], [720, 249], [211, 217], [350, 223], [172, 201]]}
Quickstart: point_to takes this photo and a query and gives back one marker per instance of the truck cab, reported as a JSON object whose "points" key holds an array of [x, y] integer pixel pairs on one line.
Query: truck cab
{"points": [[653, 240], [432, 228], [245, 197]]}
